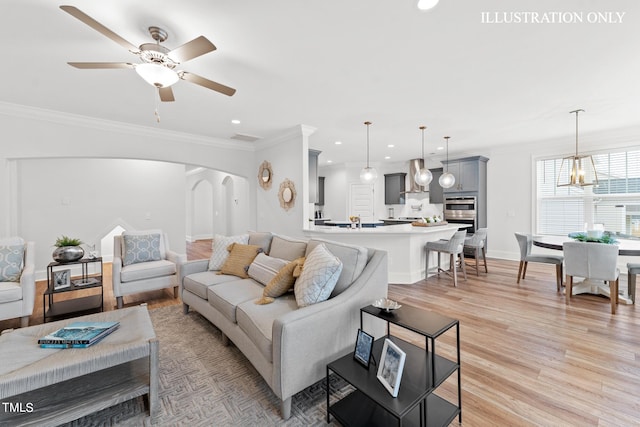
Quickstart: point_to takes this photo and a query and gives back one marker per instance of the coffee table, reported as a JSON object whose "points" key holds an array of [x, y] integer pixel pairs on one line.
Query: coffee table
{"points": [[41, 386]]}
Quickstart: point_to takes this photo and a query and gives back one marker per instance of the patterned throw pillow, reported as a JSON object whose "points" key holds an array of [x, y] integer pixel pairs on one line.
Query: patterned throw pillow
{"points": [[320, 273], [11, 260], [219, 252], [264, 268], [141, 248], [239, 259], [282, 282]]}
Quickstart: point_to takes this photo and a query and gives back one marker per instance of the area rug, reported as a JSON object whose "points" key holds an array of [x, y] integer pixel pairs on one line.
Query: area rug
{"points": [[204, 383]]}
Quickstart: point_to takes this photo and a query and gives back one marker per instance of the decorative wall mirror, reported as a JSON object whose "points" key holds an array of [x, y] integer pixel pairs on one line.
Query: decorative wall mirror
{"points": [[287, 194], [265, 175]]}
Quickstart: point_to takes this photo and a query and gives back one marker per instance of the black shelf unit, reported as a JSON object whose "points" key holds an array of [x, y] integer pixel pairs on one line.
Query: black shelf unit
{"points": [[75, 306], [424, 372]]}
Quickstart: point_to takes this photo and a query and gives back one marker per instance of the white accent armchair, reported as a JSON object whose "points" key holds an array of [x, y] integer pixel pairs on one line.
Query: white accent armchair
{"points": [[17, 298], [142, 261]]}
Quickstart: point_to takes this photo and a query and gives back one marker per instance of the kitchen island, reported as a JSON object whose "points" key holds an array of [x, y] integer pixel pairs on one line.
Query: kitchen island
{"points": [[404, 245]]}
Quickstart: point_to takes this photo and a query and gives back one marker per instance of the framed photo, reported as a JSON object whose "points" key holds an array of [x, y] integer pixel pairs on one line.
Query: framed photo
{"points": [[390, 367], [61, 279], [364, 345]]}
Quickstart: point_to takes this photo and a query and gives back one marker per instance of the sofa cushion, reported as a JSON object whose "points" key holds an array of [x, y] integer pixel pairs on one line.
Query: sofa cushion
{"points": [[225, 297], [262, 239], [287, 248], [282, 282], [354, 260], [264, 268], [319, 276], [11, 262], [198, 283], [219, 252], [239, 260], [9, 292], [141, 248], [257, 321], [147, 270]]}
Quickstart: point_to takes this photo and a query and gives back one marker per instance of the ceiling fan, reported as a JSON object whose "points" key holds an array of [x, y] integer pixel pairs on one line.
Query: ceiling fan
{"points": [[158, 63]]}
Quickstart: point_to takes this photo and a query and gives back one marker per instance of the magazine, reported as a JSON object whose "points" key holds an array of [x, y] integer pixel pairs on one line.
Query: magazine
{"points": [[79, 333]]}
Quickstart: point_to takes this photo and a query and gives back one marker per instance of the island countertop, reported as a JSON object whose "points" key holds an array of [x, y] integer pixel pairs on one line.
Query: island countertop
{"points": [[385, 230]]}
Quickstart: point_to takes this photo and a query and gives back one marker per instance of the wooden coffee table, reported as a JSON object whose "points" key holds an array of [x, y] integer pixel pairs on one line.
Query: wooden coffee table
{"points": [[41, 386]]}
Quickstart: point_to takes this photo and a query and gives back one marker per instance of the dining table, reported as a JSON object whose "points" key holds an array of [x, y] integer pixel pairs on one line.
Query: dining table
{"points": [[627, 246]]}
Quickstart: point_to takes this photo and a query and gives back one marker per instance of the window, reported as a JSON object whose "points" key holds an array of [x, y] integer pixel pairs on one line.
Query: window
{"points": [[615, 202]]}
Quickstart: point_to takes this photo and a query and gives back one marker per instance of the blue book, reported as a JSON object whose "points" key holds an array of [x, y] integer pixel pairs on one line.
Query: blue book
{"points": [[60, 345], [79, 333]]}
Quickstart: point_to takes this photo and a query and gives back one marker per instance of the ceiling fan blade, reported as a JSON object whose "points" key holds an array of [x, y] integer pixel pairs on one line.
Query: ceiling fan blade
{"points": [[80, 15], [194, 78], [193, 49], [166, 94], [101, 65]]}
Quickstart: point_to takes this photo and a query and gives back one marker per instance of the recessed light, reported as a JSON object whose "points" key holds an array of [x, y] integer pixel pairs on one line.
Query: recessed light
{"points": [[390, 146], [338, 142], [440, 148], [235, 121], [387, 157], [329, 161]]}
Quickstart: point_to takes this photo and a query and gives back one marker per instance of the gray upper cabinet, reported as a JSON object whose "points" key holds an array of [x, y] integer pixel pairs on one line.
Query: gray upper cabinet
{"points": [[313, 175], [435, 190], [394, 188], [320, 201], [470, 174]]}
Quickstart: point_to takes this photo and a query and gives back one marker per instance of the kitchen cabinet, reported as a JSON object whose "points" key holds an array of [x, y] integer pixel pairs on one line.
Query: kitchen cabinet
{"points": [[320, 201], [435, 190], [470, 174], [313, 175], [394, 188]]}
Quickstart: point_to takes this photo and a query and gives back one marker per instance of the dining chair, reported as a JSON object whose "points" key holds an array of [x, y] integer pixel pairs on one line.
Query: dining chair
{"points": [[477, 243], [593, 261], [454, 247], [525, 243], [633, 269]]}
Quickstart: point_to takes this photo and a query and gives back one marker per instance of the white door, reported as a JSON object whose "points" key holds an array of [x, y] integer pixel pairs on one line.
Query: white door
{"points": [[361, 201]]}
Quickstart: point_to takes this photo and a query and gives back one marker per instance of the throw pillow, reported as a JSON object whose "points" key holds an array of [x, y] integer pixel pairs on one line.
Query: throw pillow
{"points": [[11, 262], [282, 282], [219, 252], [264, 268], [141, 248], [319, 276], [239, 259]]}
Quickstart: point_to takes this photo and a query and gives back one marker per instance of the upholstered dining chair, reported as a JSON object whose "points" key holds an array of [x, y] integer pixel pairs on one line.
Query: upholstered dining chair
{"points": [[17, 279], [454, 247], [593, 261], [477, 243], [633, 269], [142, 261], [525, 243]]}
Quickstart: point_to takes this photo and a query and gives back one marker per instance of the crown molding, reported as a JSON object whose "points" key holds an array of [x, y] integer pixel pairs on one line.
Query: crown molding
{"points": [[298, 131], [76, 120]]}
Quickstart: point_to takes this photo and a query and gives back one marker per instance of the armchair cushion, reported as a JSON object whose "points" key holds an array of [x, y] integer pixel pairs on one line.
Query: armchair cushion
{"points": [[219, 252], [141, 248], [240, 258], [147, 270], [10, 292], [11, 262], [319, 276]]}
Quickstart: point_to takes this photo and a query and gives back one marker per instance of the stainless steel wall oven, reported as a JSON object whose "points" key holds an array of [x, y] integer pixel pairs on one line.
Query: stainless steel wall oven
{"points": [[462, 210]]}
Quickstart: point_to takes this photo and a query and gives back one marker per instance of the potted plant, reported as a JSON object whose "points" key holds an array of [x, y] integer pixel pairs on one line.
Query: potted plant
{"points": [[67, 249]]}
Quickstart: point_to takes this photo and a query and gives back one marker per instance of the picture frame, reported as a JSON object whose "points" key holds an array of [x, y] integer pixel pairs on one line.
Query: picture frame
{"points": [[61, 279], [391, 366], [363, 348]]}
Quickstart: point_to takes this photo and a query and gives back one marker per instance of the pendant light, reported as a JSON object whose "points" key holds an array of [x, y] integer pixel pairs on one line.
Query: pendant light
{"points": [[368, 175], [447, 179], [423, 176], [427, 4], [578, 176]]}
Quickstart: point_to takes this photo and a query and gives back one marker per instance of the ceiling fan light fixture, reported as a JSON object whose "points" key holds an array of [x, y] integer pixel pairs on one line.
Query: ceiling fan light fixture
{"points": [[157, 75], [427, 4]]}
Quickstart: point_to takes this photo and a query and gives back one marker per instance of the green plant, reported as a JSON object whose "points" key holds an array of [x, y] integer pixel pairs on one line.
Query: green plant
{"points": [[67, 241]]}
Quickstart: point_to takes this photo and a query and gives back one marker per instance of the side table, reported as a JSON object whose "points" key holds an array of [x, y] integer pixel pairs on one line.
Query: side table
{"points": [[90, 277]]}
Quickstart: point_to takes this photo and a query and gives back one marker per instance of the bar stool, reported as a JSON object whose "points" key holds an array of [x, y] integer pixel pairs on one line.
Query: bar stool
{"points": [[454, 247], [477, 244], [633, 270]]}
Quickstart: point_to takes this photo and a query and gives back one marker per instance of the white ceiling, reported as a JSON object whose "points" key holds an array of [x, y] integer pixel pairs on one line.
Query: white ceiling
{"points": [[333, 64]]}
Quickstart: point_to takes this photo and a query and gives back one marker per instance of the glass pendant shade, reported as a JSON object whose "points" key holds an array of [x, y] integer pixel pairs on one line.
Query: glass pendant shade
{"points": [[368, 175], [447, 180], [577, 171], [423, 177], [157, 75]]}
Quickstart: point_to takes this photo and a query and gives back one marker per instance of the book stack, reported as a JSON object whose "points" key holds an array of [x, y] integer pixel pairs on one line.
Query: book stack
{"points": [[78, 335]]}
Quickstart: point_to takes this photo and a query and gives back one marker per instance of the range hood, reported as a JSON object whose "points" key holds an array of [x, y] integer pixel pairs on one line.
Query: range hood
{"points": [[414, 166]]}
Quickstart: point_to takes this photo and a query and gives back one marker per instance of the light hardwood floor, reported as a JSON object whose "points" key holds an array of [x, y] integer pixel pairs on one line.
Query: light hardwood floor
{"points": [[527, 358]]}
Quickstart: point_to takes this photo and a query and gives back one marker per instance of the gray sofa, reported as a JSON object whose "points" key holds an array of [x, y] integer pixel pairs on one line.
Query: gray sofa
{"points": [[289, 346]]}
